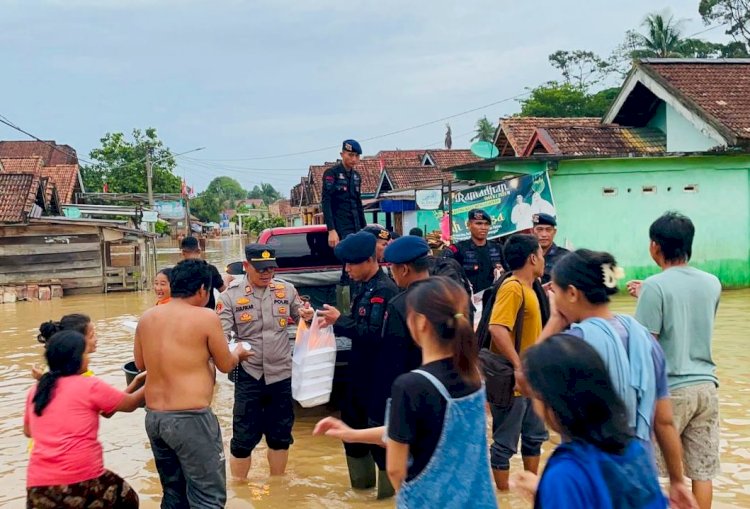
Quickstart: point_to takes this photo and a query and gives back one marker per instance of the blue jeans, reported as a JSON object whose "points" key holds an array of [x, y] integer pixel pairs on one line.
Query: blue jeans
{"points": [[510, 423]]}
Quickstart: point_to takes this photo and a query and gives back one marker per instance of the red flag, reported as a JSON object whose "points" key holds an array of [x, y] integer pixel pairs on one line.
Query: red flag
{"points": [[105, 188]]}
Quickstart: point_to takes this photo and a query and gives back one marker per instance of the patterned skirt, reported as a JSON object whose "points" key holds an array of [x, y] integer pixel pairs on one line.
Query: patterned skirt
{"points": [[108, 491]]}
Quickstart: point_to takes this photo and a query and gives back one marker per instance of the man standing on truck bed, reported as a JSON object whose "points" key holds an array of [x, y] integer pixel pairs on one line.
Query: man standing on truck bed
{"points": [[363, 326], [342, 195], [258, 308]]}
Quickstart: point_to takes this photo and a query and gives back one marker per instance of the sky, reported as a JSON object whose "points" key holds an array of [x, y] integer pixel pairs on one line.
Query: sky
{"points": [[270, 87]]}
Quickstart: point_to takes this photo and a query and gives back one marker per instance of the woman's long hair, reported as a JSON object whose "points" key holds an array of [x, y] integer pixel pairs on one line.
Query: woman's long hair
{"points": [[75, 322], [445, 304], [64, 355], [570, 377]]}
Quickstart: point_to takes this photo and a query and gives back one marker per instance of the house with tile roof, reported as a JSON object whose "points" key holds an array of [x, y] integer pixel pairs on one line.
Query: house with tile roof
{"points": [[677, 137], [59, 164]]}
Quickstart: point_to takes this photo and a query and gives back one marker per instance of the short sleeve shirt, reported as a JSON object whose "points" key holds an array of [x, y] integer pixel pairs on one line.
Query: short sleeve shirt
{"points": [[679, 305], [505, 311], [66, 446]]}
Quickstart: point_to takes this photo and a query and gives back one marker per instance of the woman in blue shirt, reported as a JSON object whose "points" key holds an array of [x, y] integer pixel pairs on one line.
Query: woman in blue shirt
{"points": [[600, 464]]}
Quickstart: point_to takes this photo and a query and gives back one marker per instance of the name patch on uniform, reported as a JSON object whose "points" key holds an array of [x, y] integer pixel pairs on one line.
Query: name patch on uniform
{"points": [[237, 309], [281, 301], [243, 300], [246, 317]]}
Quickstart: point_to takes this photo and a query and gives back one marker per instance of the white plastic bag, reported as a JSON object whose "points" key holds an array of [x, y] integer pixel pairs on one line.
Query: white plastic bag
{"points": [[313, 364]]}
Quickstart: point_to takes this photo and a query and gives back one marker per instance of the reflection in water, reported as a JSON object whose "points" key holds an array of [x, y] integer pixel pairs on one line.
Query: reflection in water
{"points": [[317, 475]]}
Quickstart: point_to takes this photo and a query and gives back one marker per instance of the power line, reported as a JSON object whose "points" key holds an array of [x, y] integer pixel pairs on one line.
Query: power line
{"points": [[379, 136]]}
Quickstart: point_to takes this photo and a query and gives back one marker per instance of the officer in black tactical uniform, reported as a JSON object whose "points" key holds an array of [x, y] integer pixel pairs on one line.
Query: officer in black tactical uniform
{"points": [[545, 228], [398, 353], [374, 291], [481, 259], [342, 195]]}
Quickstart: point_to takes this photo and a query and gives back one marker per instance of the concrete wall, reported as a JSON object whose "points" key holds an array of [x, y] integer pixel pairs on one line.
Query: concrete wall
{"points": [[682, 136], [609, 204]]}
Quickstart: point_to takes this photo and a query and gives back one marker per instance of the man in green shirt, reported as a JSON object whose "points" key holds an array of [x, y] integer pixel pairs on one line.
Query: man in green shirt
{"points": [[678, 306]]}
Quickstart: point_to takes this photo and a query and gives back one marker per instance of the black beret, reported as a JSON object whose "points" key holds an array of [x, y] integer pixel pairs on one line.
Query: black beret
{"points": [[377, 230], [544, 219], [479, 215]]}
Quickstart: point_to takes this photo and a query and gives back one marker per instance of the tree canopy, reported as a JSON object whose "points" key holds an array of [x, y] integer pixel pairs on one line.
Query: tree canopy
{"points": [[734, 14], [485, 131], [121, 163], [555, 99], [265, 192]]}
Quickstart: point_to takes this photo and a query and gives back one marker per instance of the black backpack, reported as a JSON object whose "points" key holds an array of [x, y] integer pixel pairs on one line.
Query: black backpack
{"points": [[488, 301], [450, 268]]}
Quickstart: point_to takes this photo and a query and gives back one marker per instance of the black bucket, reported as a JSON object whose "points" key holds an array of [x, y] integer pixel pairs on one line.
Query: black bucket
{"points": [[130, 371]]}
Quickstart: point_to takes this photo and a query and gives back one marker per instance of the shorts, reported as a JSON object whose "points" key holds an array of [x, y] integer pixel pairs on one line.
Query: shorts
{"points": [[510, 423], [696, 418], [108, 490], [189, 457], [261, 409]]}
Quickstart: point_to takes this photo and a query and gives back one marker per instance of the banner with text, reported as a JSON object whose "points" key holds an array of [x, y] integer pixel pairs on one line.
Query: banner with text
{"points": [[511, 204]]}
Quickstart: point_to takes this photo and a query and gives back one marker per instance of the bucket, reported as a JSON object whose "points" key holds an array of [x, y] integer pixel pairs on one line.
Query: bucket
{"points": [[130, 371]]}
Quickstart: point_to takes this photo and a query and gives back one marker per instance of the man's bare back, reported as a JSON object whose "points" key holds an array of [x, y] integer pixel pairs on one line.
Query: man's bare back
{"points": [[175, 343]]}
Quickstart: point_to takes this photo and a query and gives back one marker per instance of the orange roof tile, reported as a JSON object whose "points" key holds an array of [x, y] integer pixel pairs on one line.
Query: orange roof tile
{"points": [[514, 132], [449, 158], [65, 178], [601, 140], [32, 164], [49, 151], [18, 193]]}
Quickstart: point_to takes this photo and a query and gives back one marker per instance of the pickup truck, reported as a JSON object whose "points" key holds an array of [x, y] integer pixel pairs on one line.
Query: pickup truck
{"points": [[306, 261]]}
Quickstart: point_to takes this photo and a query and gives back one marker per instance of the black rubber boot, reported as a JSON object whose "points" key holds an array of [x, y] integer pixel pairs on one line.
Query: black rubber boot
{"points": [[361, 472], [385, 488]]}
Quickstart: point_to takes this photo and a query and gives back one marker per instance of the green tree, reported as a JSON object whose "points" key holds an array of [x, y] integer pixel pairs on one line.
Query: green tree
{"points": [[226, 190], [265, 192], [663, 37], [122, 164], [485, 131], [255, 225], [734, 14], [579, 68], [206, 207], [554, 99]]}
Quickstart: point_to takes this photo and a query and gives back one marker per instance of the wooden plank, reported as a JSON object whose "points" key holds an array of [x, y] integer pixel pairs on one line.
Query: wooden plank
{"points": [[36, 230], [47, 248], [39, 238], [26, 260], [70, 285], [44, 268], [62, 275]]}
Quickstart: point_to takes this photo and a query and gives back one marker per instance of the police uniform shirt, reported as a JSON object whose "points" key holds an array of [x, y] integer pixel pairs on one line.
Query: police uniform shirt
{"points": [[554, 253], [260, 316], [342, 200], [478, 262]]}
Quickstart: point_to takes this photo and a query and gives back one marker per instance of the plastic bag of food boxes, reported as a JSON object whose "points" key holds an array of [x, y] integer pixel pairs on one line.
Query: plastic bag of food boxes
{"points": [[313, 364]]}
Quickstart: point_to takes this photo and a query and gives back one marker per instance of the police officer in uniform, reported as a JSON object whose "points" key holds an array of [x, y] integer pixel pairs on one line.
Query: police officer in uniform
{"points": [[363, 326], [481, 259], [342, 195], [398, 353], [258, 308], [382, 239], [545, 228]]}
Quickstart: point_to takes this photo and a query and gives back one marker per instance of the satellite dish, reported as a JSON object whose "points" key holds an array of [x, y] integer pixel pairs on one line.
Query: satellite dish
{"points": [[484, 150]]}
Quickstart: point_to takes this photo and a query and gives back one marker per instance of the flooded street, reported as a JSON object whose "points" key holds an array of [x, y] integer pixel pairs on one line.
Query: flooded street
{"points": [[317, 475]]}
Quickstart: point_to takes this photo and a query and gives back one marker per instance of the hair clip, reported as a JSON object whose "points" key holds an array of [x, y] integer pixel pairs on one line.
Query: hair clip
{"points": [[612, 274]]}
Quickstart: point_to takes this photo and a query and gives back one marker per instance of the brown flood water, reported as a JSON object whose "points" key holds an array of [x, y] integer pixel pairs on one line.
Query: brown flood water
{"points": [[317, 475]]}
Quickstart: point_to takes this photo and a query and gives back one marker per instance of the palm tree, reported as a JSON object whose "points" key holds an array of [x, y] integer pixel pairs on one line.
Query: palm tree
{"points": [[663, 38], [485, 130]]}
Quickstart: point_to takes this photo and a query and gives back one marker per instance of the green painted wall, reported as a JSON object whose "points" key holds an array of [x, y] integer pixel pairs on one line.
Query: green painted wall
{"points": [[618, 221]]}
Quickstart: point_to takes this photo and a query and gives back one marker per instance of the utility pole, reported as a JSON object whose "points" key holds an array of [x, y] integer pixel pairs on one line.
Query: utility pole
{"points": [[149, 178]]}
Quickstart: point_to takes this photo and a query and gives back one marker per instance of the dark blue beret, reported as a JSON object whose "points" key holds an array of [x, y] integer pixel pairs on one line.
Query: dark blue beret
{"points": [[406, 249], [479, 215], [355, 248], [544, 219], [351, 146]]}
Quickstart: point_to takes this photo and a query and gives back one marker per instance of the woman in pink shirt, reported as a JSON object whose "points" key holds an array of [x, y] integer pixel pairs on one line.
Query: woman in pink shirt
{"points": [[66, 467]]}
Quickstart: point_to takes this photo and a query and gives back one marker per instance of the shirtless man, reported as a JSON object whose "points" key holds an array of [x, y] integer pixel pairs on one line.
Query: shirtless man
{"points": [[179, 343]]}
